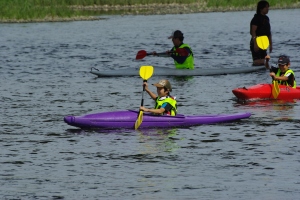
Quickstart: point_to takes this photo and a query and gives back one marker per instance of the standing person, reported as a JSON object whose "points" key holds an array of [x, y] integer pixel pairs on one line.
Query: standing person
{"points": [[259, 26], [181, 61], [282, 73], [165, 104]]}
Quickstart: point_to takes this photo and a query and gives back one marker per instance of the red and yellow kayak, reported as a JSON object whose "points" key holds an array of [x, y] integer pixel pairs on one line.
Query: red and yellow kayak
{"points": [[264, 91]]}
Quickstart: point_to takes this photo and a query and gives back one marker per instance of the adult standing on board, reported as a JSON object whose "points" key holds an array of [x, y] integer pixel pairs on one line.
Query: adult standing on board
{"points": [[260, 26]]}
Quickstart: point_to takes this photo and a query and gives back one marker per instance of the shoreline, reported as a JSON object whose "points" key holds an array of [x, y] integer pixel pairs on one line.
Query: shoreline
{"points": [[140, 9]]}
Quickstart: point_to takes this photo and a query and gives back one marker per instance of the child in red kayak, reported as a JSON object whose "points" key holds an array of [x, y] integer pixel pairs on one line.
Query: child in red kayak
{"points": [[282, 73], [165, 104]]}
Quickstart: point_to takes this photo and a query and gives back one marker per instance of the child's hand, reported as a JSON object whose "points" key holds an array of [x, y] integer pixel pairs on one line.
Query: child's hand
{"points": [[143, 109], [272, 74], [267, 58], [146, 85]]}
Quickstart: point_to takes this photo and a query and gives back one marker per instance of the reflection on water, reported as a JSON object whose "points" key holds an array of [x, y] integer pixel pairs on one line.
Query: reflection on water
{"points": [[153, 140], [164, 140], [270, 104], [263, 108]]}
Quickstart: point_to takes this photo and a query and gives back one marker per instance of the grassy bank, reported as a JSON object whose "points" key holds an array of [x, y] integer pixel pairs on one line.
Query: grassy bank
{"points": [[66, 10], [246, 3], [27, 10]]}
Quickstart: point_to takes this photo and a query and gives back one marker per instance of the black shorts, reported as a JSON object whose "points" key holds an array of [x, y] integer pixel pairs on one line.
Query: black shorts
{"points": [[256, 55]]}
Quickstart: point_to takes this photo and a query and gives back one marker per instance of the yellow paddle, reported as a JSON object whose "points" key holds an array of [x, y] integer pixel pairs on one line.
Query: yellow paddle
{"points": [[262, 42], [145, 73], [275, 89]]}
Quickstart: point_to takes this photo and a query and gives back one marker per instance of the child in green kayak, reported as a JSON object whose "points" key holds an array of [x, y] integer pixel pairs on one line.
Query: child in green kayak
{"points": [[282, 73], [165, 104]]}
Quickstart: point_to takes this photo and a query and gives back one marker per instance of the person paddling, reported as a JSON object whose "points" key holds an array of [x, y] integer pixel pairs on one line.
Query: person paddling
{"points": [[165, 104], [181, 61], [282, 73]]}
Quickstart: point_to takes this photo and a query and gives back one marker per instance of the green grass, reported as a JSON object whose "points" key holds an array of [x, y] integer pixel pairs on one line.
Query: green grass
{"points": [[33, 9], [47, 9], [125, 2], [246, 3]]}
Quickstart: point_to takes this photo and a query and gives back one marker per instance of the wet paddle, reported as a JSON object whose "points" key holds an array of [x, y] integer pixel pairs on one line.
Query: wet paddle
{"points": [[142, 53], [145, 73], [275, 89], [262, 42]]}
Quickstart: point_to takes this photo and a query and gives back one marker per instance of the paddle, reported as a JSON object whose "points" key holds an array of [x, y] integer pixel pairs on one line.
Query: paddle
{"points": [[145, 73], [275, 89], [142, 53], [262, 42]]}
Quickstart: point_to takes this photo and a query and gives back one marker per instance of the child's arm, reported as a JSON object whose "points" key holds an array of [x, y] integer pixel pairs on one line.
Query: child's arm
{"points": [[156, 111], [152, 95], [279, 78]]}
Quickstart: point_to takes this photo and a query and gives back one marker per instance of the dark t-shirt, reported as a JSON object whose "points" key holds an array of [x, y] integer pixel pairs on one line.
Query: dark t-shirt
{"points": [[263, 24], [291, 77]]}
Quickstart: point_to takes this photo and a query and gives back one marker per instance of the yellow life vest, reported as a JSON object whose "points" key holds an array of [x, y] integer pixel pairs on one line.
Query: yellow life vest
{"points": [[285, 82], [188, 63], [160, 101]]}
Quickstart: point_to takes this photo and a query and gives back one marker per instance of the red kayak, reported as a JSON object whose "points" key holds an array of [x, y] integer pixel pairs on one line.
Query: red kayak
{"points": [[264, 91]]}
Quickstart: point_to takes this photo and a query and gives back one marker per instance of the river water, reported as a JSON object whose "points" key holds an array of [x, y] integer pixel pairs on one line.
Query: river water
{"points": [[45, 76]]}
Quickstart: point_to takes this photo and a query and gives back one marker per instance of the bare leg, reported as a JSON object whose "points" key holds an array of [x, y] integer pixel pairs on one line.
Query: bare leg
{"points": [[259, 62]]}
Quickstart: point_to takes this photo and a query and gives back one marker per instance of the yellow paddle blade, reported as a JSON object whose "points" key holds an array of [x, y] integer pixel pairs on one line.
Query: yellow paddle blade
{"points": [[146, 72], [275, 89], [262, 42], [139, 120]]}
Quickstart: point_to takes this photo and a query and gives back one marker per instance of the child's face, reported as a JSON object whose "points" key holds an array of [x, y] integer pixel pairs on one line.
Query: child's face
{"points": [[161, 92], [284, 67]]}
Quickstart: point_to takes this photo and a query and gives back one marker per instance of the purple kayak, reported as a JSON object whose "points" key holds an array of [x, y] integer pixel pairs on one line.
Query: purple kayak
{"points": [[126, 119]]}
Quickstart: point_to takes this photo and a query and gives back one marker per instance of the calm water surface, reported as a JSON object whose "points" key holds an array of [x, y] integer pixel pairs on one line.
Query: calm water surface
{"points": [[45, 76]]}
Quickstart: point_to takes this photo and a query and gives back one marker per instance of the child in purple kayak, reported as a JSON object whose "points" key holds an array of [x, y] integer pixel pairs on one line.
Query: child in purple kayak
{"points": [[165, 104]]}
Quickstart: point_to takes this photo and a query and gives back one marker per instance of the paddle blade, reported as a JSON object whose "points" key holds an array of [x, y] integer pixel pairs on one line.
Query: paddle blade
{"points": [[275, 89], [146, 72], [141, 54], [262, 42], [139, 120]]}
